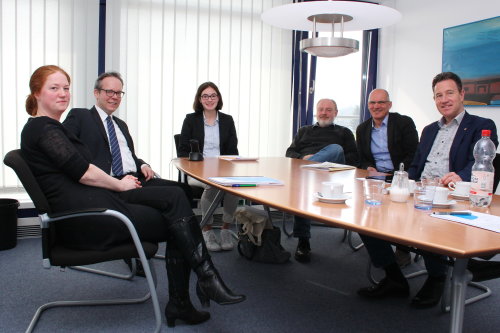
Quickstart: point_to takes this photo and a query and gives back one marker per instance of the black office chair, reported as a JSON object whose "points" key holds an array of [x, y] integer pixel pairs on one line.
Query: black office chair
{"points": [[56, 254], [496, 177], [182, 177]]}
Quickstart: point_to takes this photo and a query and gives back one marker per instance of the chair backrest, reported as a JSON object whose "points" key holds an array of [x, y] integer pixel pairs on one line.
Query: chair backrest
{"points": [[177, 139], [182, 177], [496, 179], [16, 161]]}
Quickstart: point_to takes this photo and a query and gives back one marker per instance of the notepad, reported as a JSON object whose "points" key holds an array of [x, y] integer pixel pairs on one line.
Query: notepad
{"points": [[237, 158], [256, 180], [479, 220], [328, 166]]}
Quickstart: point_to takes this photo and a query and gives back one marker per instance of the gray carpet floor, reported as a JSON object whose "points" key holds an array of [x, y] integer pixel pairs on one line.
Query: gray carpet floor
{"points": [[316, 297]]}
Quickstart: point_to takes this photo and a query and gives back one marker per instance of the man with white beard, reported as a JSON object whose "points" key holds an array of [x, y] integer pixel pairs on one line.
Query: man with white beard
{"points": [[324, 141]]}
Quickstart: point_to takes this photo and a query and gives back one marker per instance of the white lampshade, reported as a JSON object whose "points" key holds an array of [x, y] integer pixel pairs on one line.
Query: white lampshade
{"points": [[326, 16]]}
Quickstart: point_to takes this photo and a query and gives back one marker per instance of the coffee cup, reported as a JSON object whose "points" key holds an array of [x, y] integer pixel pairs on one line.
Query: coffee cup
{"points": [[441, 195], [460, 188], [332, 189]]}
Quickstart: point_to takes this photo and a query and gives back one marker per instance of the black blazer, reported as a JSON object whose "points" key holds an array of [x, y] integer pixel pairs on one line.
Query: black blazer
{"points": [[194, 128], [402, 141], [461, 157], [88, 127]]}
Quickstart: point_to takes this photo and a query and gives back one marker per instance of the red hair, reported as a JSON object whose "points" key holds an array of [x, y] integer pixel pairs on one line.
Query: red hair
{"points": [[37, 81]]}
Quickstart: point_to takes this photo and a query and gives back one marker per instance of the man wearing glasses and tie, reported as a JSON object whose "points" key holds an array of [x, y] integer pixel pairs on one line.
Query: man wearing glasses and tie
{"points": [[108, 137]]}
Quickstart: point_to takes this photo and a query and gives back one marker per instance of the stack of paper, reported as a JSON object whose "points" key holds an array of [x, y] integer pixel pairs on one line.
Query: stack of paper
{"points": [[246, 181], [328, 166]]}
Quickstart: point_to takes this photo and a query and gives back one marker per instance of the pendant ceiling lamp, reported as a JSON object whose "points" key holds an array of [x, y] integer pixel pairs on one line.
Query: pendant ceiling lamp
{"points": [[318, 16]]}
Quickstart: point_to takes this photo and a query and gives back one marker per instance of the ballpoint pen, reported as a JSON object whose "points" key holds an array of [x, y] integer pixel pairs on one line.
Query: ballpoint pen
{"points": [[457, 213], [244, 185]]}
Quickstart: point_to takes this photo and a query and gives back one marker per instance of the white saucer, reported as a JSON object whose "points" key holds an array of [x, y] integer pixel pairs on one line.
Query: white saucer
{"points": [[460, 196], [444, 204], [337, 200]]}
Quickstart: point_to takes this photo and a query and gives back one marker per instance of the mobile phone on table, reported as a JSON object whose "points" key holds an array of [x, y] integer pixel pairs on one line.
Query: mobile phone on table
{"points": [[387, 179]]}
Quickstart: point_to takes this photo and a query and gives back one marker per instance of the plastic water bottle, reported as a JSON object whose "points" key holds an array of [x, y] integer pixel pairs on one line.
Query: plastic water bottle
{"points": [[481, 190]]}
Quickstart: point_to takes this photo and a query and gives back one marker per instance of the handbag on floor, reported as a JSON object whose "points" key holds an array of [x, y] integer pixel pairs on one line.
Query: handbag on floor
{"points": [[259, 240]]}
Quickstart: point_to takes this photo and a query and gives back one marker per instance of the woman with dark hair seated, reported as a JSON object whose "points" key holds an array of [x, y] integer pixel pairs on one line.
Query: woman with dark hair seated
{"points": [[216, 135], [61, 165]]}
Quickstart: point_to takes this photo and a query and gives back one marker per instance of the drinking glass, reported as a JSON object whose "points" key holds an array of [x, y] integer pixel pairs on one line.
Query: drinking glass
{"points": [[373, 191], [424, 194]]}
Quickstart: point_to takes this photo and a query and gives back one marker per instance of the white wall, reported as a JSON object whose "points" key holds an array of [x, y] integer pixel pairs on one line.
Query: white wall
{"points": [[410, 53]]}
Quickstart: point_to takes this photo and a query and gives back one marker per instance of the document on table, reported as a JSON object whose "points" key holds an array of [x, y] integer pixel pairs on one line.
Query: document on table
{"points": [[237, 158], [255, 181], [476, 219], [328, 166]]}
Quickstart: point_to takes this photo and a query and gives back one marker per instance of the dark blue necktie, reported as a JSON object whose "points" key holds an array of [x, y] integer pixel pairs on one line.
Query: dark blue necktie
{"points": [[116, 162]]}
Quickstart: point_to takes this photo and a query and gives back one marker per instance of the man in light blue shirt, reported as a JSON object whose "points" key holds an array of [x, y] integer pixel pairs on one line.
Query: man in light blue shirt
{"points": [[387, 138], [380, 149], [384, 141]]}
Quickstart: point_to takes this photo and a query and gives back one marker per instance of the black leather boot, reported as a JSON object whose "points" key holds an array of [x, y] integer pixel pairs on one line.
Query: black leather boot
{"points": [[179, 305], [186, 234]]}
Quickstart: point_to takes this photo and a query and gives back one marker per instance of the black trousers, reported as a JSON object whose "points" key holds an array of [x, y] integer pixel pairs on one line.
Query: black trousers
{"points": [[381, 254], [163, 182], [150, 208], [153, 207]]}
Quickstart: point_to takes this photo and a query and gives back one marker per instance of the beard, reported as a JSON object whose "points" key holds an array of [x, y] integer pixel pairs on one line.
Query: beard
{"points": [[325, 123]]}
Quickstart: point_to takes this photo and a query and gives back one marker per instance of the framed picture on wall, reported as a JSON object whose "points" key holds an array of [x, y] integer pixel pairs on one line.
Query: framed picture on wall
{"points": [[472, 51]]}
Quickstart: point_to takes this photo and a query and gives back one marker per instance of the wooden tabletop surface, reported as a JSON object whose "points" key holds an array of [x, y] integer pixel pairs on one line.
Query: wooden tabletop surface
{"points": [[396, 222]]}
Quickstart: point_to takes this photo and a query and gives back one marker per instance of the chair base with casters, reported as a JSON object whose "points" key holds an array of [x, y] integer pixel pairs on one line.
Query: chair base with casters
{"points": [[369, 274], [369, 271], [348, 236], [61, 256]]}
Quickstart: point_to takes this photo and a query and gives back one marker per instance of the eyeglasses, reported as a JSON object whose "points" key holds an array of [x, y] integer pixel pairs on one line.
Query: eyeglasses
{"points": [[378, 102], [111, 93], [207, 97]]}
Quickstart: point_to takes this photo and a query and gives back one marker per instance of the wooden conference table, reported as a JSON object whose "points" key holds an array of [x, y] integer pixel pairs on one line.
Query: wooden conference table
{"points": [[395, 222]]}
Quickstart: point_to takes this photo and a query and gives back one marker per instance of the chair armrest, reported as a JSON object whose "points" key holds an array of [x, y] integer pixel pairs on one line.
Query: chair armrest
{"points": [[71, 212], [46, 219]]}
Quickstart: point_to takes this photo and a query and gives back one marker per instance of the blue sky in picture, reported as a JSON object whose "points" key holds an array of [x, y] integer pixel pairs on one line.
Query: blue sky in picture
{"points": [[473, 50]]}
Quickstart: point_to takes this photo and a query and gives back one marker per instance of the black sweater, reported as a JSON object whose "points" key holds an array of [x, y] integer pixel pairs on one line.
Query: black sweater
{"points": [[311, 139]]}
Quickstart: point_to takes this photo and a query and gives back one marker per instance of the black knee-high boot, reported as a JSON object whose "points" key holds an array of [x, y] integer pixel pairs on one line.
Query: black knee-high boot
{"points": [[186, 234], [179, 305]]}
